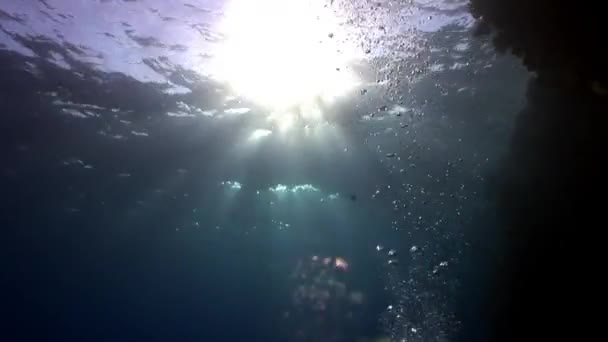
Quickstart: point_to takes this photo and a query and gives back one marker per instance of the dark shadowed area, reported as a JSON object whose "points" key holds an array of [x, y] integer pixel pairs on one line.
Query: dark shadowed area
{"points": [[549, 198]]}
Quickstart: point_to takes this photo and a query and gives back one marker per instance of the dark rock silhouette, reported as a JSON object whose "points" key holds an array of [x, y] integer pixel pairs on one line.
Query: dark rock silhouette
{"points": [[559, 40], [542, 286]]}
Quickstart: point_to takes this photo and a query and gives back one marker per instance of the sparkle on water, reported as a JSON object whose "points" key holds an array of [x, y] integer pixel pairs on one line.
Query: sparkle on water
{"points": [[284, 56], [280, 188], [259, 134], [232, 185]]}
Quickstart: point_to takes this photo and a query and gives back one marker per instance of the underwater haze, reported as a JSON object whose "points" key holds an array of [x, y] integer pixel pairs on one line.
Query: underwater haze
{"points": [[233, 170]]}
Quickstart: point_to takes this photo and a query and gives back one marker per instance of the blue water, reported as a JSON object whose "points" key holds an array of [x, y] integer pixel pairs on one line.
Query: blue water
{"points": [[122, 221]]}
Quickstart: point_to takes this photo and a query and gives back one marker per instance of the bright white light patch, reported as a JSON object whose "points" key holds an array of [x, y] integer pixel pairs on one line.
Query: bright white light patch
{"points": [[237, 111], [284, 53], [280, 188], [304, 187], [259, 134], [232, 185]]}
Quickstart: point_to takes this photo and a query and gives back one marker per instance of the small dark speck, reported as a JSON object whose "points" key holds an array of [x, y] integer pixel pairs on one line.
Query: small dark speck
{"points": [[178, 47], [353, 197]]}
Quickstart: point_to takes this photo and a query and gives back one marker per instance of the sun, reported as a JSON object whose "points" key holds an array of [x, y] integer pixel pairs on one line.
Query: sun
{"points": [[284, 54]]}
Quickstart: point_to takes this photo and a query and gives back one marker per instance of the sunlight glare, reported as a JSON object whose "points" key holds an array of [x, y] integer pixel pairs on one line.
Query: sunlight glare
{"points": [[284, 120], [259, 134], [284, 54]]}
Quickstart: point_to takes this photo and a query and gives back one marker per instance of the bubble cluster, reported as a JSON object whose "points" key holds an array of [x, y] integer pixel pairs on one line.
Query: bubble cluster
{"points": [[325, 306]]}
